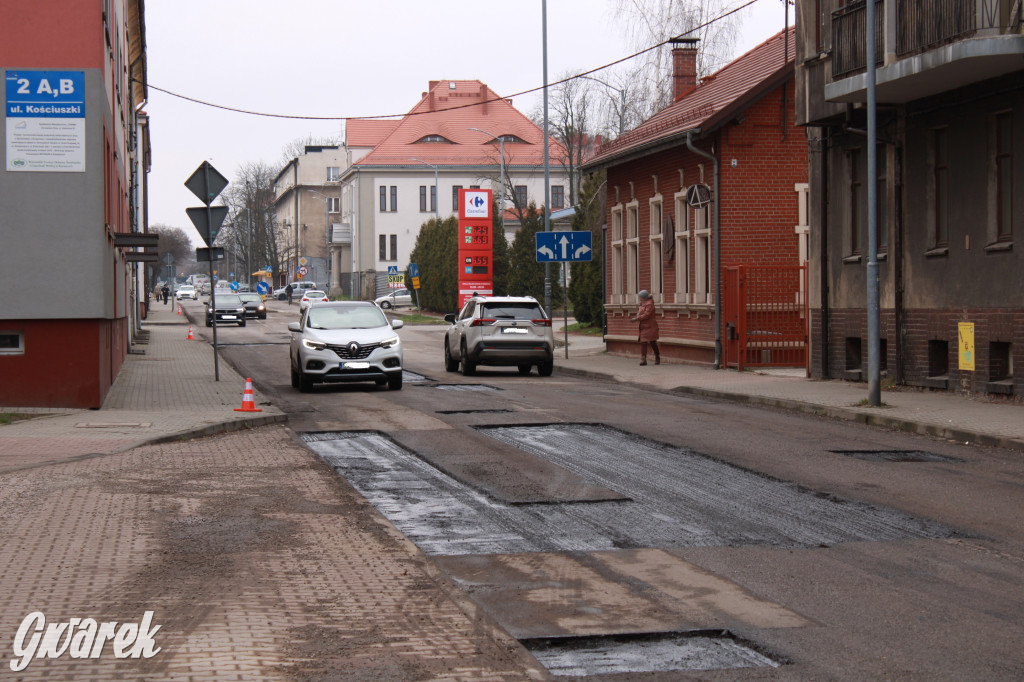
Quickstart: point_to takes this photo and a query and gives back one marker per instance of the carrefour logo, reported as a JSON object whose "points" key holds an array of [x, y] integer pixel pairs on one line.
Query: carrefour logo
{"points": [[477, 205]]}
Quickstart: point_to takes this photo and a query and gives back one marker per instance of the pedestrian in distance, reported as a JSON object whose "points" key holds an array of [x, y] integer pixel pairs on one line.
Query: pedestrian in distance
{"points": [[166, 291], [289, 290], [648, 331]]}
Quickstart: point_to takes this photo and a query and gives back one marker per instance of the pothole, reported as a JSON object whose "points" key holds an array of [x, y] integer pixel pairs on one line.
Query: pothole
{"points": [[647, 653], [897, 456]]}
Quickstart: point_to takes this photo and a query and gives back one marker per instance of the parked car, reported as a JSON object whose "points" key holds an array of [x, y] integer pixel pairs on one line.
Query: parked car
{"points": [[394, 299], [229, 309], [254, 305], [344, 341], [298, 289], [511, 331], [310, 297], [186, 291]]}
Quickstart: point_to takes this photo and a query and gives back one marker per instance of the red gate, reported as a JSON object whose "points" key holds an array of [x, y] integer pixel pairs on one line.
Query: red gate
{"points": [[765, 316]]}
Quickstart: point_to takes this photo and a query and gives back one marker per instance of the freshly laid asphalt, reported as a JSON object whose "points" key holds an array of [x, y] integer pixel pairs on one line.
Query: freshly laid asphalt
{"points": [[166, 393]]}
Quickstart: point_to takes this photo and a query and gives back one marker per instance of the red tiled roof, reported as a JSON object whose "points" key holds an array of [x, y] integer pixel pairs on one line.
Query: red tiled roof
{"points": [[707, 105], [450, 109], [368, 132]]}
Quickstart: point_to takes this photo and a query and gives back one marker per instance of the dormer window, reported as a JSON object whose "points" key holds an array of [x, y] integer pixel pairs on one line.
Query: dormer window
{"points": [[434, 138], [508, 139]]}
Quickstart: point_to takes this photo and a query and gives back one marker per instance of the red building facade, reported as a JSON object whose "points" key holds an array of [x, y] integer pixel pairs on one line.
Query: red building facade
{"points": [[63, 340], [743, 117]]}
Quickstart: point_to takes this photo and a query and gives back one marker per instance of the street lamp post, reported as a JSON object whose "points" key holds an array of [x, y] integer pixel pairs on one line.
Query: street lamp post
{"points": [[501, 145], [436, 189]]}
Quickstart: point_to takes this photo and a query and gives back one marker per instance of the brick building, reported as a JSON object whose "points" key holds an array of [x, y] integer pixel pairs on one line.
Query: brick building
{"points": [[73, 158], [739, 120]]}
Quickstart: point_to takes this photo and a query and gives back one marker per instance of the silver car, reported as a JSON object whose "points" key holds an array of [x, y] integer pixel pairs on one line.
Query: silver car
{"points": [[511, 331], [394, 299], [345, 341]]}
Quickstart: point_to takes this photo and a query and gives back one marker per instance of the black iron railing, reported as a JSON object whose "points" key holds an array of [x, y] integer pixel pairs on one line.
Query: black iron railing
{"points": [[849, 44], [924, 24]]}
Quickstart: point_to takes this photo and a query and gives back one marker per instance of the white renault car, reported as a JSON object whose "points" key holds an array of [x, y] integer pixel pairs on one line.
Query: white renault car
{"points": [[344, 341], [511, 331]]}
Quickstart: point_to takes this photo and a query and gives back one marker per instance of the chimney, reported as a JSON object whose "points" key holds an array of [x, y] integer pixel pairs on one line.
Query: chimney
{"points": [[684, 67]]}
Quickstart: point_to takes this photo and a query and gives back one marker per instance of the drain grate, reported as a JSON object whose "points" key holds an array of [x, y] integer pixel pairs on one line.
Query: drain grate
{"points": [[472, 411], [466, 387], [896, 455], [647, 653]]}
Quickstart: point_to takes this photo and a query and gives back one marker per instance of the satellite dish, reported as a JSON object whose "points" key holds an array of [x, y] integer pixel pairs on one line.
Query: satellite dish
{"points": [[698, 196]]}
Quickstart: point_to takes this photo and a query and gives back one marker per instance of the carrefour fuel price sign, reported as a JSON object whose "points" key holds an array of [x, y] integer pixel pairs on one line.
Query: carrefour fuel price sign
{"points": [[45, 121], [476, 276]]}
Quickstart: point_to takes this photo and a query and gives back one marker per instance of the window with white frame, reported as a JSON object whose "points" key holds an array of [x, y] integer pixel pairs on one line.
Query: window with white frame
{"points": [[334, 204], [12, 343], [333, 172], [702, 255], [657, 286], [632, 248], [618, 244], [683, 235]]}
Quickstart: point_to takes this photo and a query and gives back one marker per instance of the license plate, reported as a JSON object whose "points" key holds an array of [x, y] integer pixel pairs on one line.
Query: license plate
{"points": [[514, 330], [355, 365], [228, 317]]}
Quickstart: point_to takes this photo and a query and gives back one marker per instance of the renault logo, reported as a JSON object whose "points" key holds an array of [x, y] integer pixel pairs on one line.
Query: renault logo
{"points": [[353, 348]]}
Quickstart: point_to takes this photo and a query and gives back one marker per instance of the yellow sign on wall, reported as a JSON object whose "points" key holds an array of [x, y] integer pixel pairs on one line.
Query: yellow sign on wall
{"points": [[966, 334]]}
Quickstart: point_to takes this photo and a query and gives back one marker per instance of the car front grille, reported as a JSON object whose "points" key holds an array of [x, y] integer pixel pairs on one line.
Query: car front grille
{"points": [[361, 353]]}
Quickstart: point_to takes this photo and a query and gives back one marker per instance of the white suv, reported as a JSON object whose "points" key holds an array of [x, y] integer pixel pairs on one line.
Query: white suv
{"points": [[510, 331]]}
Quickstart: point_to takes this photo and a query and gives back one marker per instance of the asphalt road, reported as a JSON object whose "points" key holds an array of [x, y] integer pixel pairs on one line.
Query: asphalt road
{"points": [[570, 507]]}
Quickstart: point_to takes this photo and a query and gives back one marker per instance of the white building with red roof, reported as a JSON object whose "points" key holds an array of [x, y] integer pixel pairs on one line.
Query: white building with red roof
{"points": [[405, 172]]}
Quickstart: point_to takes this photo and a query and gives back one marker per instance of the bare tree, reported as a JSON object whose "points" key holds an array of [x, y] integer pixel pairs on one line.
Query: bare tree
{"points": [[570, 111], [174, 241], [249, 230], [297, 147], [650, 22]]}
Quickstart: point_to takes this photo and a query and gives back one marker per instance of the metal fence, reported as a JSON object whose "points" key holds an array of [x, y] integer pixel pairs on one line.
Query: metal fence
{"points": [[765, 313]]}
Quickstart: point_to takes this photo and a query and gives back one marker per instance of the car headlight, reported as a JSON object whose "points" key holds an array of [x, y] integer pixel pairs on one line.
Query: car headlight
{"points": [[261, 308], [388, 343], [240, 310], [313, 345]]}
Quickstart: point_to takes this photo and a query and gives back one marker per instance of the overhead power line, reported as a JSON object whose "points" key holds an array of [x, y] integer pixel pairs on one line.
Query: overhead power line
{"points": [[455, 108]]}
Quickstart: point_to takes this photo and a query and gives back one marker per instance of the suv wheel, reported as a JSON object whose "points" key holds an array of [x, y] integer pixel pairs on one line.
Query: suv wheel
{"points": [[525, 369], [450, 363], [305, 382], [468, 366], [295, 376], [545, 368], [395, 381]]}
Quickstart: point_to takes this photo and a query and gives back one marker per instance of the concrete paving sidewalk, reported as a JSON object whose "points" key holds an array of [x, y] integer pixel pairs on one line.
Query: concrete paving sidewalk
{"points": [[166, 390]]}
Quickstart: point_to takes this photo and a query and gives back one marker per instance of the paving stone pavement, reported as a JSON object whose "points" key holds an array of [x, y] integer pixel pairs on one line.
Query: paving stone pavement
{"points": [[259, 562]]}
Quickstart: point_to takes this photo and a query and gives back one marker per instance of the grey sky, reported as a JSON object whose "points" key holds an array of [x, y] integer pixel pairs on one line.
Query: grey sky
{"points": [[339, 58]]}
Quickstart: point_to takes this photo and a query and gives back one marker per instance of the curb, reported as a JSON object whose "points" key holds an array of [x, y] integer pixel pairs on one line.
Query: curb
{"points": [[894, 423]]}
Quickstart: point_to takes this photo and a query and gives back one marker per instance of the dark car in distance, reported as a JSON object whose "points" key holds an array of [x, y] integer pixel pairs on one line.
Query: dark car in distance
{"points": [[229, 308], [254, 305]]}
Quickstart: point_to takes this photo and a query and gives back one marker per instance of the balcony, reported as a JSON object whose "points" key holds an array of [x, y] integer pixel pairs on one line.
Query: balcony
{"points": [[923, 47]]}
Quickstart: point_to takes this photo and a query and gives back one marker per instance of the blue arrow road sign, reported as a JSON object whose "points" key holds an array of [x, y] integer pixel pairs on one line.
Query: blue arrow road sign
{"points": [[263, 288], [564, 246]]}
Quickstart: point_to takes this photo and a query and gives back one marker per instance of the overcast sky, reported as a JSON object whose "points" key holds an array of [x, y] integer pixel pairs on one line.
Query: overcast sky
{"points": [[347, 58]]}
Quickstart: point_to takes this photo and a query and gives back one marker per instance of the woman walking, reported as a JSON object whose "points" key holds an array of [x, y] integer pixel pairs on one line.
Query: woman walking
{"points": [[648, 332]]}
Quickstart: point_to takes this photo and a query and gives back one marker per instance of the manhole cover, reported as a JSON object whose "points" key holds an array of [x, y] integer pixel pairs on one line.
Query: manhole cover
{"points": [[466, 387], [896, 455], [647, 653]]}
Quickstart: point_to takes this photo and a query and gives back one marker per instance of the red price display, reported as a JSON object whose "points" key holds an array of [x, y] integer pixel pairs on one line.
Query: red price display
{"points": [[476, 235]]}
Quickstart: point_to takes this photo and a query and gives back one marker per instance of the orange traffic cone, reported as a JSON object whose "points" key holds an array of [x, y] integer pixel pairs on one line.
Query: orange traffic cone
{"points": [[190, 337], [248, 403], [179, 309]]}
